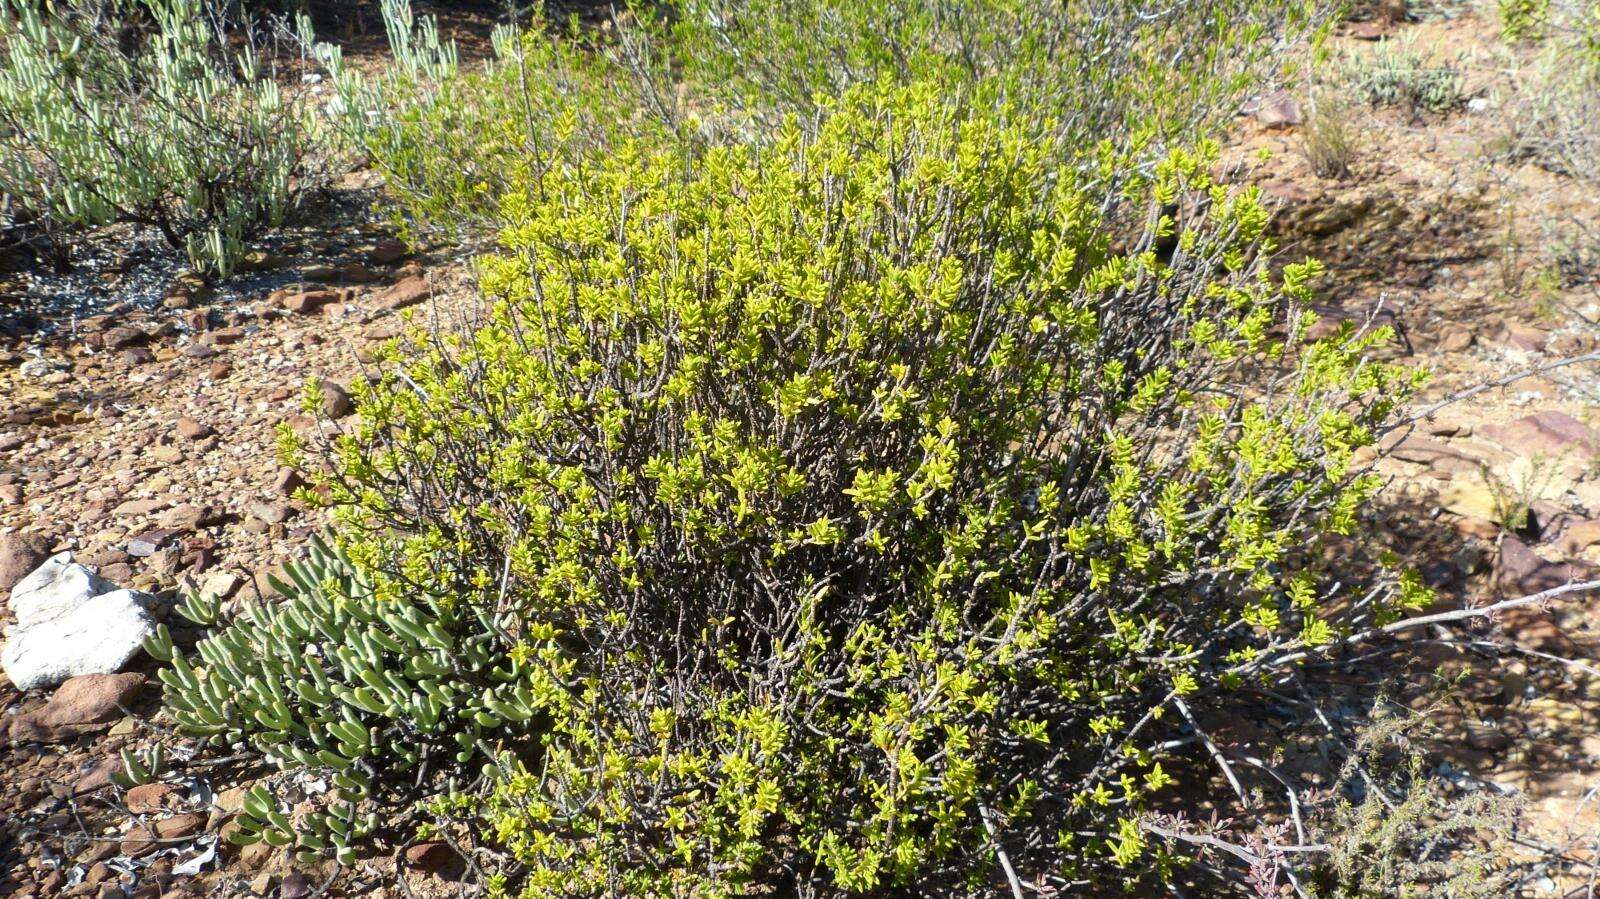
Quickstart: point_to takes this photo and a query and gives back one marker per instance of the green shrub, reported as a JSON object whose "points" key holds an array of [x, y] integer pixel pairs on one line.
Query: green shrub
{"points": [[167, 130], [1407, 836], [1141, 73], [450, 143], [858, 512], [1137, 75], [1331, 137]]}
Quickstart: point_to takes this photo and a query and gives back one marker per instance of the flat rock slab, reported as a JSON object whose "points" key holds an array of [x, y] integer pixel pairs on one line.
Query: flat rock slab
{"points": [[82, 705], [71, 622], [1550, 434]]}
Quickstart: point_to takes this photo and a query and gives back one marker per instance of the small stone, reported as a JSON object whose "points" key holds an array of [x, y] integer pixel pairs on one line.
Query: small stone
{"points": [[1520, 571], [231, 800], [10, 494], [136, 507], [1441, 574], [117, 571], [408, 292], [1524, 338], [336, 402], [262, 884], [98, 775], [308, 302], [294, 886], [219, 370], [1391, 12], [190, 429], [1368, 31], [259, 260], [287, 482], [220, 585], [1550, 434], [179, 826], [137, 846], [1279, 110], [1486, 737], [146, 799], [272, 513], [356, 273], [384, 329], [20, 554], [150, 542], [1456, 340], [121, 338], [434, 856], [1579, 537], [387, 251], [98, 851], [187, 517]]}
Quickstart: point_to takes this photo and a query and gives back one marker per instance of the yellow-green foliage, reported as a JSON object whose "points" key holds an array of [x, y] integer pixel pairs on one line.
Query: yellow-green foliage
{"points": [[1524, 20], [1139, 75], [837, 501], [1142, 73], [450, 142]]}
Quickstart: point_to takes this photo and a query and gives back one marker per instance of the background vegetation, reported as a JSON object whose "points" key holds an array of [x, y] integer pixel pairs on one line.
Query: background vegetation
{"points": [[884, 450]]}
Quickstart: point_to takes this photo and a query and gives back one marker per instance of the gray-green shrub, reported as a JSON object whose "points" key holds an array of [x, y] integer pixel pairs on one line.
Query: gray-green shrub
{"points": [[1140, 74], [168, 127], [1405, 77], [1554, 114]]}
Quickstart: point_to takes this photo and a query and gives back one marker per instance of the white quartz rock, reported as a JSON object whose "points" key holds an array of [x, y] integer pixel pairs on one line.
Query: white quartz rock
{"points": [[71, 622]]}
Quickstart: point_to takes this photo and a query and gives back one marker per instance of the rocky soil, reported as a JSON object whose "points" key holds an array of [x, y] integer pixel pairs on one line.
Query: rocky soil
{"points": [[138, 435], [140, 438]]}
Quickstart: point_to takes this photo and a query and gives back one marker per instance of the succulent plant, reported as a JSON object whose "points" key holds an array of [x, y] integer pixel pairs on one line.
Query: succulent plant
{"points": [[377, 695]]}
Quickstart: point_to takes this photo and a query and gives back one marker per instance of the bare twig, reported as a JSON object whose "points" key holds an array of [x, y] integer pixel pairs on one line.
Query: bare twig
{"points": [[1407, 624], [1000, 853], [1427, 411]]}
